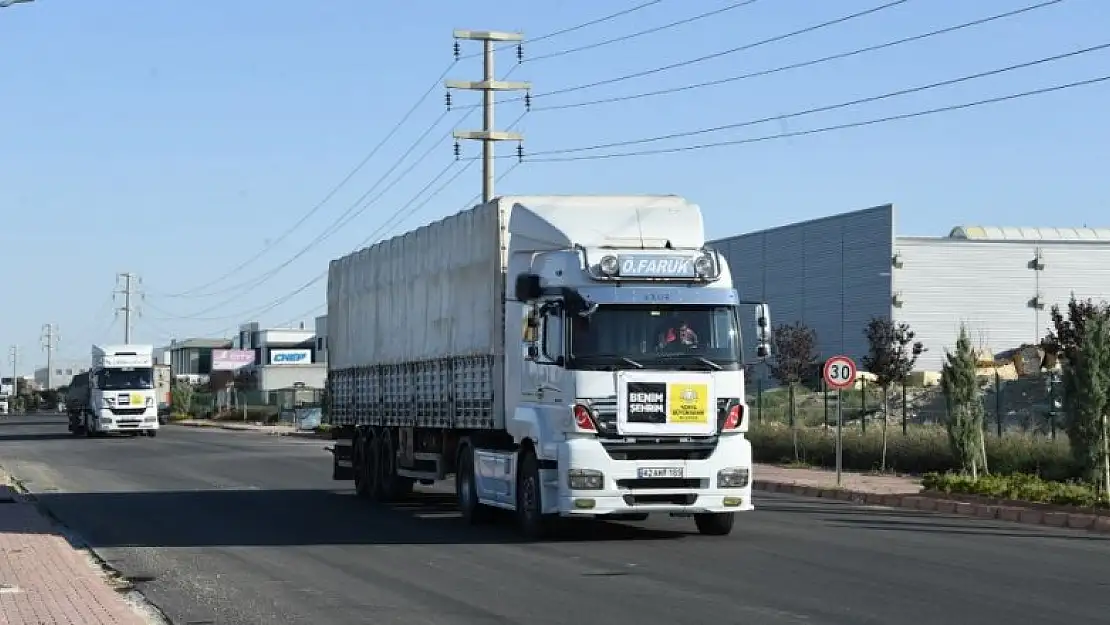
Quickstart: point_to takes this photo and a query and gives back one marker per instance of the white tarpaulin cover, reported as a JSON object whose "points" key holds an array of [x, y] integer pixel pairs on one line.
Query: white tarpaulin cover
{"points": [[432, 293]]}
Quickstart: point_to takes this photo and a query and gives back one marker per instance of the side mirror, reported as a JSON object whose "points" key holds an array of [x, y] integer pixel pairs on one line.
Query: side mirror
{"points": [[763, 350], [763, 323], [533, 352], [527, 287]]}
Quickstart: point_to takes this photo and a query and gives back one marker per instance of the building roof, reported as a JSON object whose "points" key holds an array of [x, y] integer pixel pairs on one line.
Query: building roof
{"points": [[1010, 233], [201, 344]]}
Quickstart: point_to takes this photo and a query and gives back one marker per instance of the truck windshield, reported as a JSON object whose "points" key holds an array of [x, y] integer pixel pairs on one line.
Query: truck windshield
{"points": [[656, 337], [125, 379]]}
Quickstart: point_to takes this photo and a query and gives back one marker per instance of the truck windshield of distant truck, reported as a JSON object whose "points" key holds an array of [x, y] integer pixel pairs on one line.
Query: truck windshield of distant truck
{"points": [[125, 379], [655, 337]]}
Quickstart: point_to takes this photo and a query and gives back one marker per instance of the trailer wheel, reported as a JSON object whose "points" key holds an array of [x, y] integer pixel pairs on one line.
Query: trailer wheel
{"points": [[529, 499], [466, 489], [391, 486], [715, 523]]}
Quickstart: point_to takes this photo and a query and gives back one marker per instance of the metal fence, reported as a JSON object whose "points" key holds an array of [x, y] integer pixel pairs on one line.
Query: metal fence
{"points": [[1028, 404]]}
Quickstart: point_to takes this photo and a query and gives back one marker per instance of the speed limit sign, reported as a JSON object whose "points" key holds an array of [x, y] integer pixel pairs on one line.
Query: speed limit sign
{"points": [[839, 372]]}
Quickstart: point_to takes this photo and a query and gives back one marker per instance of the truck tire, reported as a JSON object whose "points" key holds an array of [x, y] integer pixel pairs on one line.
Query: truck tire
{"points": [[466, 489], [391, 486], [531, 522], [715, 523], [152, 433], [366, 473]]}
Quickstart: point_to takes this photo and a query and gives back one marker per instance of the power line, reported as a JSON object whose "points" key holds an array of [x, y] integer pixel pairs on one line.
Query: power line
{"points": [[825, 129], [281, 300], [396, 127], [327, 198], [380, 229], [831, 107], [353, 211], [414, 210], [640, 33], [799, 65], [707, 57], [577, 27]]}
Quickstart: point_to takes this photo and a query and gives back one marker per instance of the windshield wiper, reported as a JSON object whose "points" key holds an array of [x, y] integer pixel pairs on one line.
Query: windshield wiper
{"points": [[625, 359], [702, 359]]}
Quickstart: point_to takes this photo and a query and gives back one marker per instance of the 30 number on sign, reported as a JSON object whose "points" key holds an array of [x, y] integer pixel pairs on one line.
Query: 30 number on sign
{"points": [[840, 372]]}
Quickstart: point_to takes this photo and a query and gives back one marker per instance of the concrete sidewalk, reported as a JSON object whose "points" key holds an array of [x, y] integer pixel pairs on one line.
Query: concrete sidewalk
{"points": [[279, 429], [850, 481], [43, 579]]}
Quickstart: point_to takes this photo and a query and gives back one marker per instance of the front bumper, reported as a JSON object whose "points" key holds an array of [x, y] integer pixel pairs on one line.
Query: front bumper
{"points": [[623, 491], [109, 422]]}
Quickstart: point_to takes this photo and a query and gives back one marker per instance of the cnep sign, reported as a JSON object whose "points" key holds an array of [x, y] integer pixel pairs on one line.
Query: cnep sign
{"points": [[290, 356]]}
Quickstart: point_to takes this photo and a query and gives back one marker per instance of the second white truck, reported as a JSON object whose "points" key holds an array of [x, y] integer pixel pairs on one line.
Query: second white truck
{"points": [[575, 356], [117, 396]]}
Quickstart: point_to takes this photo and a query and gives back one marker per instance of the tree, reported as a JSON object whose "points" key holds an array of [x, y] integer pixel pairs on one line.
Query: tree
{"points": [[892, 353], [794, 354], [1084, 342], [963, 398]]}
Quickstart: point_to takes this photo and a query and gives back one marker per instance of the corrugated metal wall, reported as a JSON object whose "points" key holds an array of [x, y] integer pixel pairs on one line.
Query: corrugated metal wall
{"points": [[990, 286], [833, 274]]}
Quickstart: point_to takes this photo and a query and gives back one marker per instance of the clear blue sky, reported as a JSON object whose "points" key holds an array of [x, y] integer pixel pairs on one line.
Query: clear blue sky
{"points": [[174, 139]]}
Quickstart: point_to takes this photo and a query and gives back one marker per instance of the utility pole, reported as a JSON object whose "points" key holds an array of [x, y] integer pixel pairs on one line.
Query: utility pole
{"points": [[50, 340], [127, 283], [488, 86], [13, 357]]}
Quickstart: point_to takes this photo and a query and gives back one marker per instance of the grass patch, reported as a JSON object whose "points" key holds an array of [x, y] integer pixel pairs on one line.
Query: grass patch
{"points": [[923, 450], [1017, 487]]}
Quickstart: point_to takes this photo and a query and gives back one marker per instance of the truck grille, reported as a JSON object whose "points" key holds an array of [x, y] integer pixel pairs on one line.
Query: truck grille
{"points": [[651, 448]]}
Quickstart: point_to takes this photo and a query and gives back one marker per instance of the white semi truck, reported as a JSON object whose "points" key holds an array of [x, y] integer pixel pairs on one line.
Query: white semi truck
{"points": [[117, 396], [575, 356]]}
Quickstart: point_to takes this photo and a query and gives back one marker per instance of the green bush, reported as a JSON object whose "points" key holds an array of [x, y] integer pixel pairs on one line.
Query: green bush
{"points": [[923, 450], [1019, 487]]}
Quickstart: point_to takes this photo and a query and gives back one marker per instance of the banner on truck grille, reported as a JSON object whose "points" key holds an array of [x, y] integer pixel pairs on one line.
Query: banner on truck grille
{"points": [[668, 403], [231, 359], [665, 403]]}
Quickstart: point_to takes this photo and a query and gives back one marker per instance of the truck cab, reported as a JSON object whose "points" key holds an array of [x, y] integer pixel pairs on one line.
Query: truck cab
{"points": [[626, 365]]}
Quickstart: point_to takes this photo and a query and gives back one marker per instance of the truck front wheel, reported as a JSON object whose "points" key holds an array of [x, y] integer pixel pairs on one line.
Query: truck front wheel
{"points": [[715, 523], [529, 499]]}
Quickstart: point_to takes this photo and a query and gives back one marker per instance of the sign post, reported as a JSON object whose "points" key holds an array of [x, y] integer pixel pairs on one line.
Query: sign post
{"points": [[839, 373]]}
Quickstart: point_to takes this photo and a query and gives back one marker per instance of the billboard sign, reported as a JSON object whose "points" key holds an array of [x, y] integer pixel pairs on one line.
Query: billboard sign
{"points": [[290, 356], [231, 359]]}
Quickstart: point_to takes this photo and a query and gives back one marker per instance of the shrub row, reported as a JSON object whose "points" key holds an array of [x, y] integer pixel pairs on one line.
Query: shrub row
{"points": [[1018, 487], [264, 414], [923, 450]]}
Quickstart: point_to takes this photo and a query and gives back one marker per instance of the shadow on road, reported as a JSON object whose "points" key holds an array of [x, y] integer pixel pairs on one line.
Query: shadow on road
{"points": [[35, 436], [225, 518], [25, 423]]}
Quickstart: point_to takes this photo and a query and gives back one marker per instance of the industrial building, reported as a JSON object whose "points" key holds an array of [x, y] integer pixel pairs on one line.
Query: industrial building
{"points": [[836, 273], [284, 357]]}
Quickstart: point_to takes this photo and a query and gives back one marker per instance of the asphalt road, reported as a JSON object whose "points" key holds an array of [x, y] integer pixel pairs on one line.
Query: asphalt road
{"points": [[237, 528]]}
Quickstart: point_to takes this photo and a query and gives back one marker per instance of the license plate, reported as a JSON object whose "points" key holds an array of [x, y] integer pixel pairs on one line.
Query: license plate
{"points": [[650, 472]]}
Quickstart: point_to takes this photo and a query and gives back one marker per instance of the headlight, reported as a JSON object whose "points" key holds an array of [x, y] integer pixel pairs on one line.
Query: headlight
{"points": [[111, 401], [703, 265], [585, 479], [733, 477], [609, 265]]}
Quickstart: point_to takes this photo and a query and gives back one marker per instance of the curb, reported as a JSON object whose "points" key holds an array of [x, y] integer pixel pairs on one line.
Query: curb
{"points": [[1015, 514], [232, 428]]}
